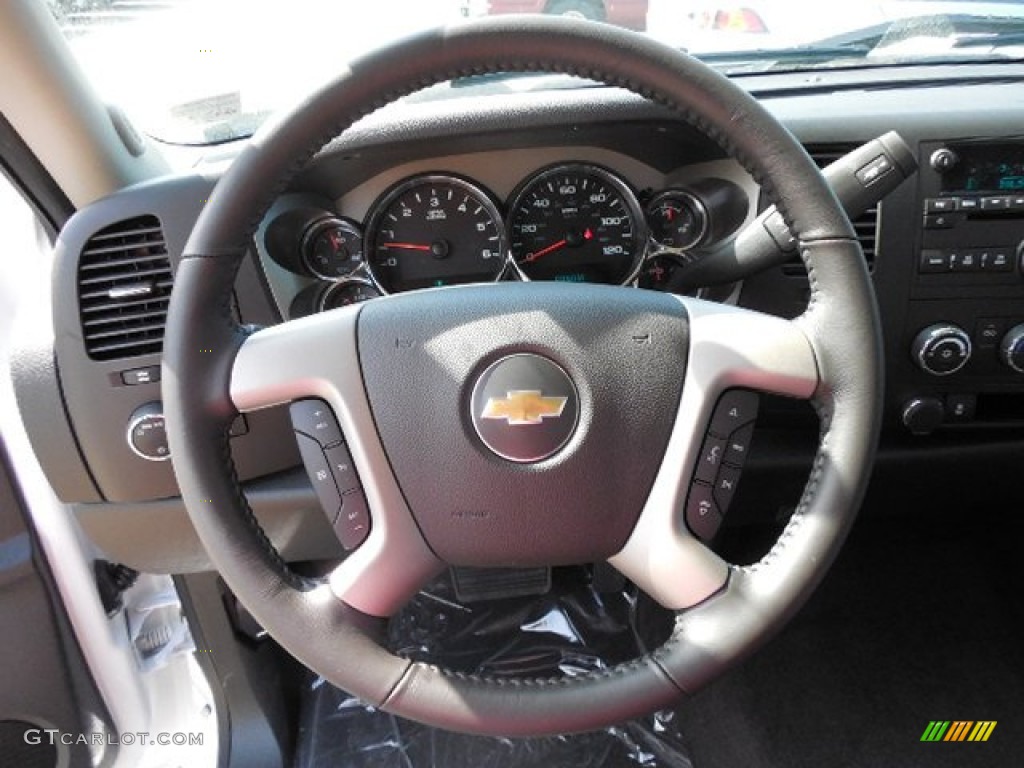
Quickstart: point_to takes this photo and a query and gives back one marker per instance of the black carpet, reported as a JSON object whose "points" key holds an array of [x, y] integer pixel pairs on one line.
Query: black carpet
{"points": [[920, 619]]}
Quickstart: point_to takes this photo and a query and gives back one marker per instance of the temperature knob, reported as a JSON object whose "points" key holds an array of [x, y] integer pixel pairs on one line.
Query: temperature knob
{"points": [[1012, 348], [941, 349]]}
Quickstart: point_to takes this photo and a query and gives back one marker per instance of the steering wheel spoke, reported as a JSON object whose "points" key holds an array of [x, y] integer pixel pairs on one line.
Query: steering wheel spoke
{"points": [[317, 357], [730, 348]]}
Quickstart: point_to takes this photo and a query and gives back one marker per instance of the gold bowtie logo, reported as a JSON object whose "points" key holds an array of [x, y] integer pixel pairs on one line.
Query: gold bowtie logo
{"points": [[524, 406]]}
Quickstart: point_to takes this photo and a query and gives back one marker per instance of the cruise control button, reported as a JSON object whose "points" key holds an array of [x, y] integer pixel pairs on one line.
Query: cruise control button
{"points": [[738, 446], [353, 524], [873, 170], [315, 419], [711, 457], [736, 409], [725, 487], [319, 472], [340, 461], [702, 515]]}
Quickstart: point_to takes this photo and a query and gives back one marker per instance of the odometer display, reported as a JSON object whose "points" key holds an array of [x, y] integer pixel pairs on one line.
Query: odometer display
{"points": [[577, 223], [435, 230]]}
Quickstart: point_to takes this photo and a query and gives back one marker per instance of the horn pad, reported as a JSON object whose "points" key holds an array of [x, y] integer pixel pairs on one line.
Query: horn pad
{"points": [[525, 423]]}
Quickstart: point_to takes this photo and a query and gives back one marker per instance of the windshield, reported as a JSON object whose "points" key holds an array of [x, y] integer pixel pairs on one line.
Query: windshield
{"points": [[205, 71]]}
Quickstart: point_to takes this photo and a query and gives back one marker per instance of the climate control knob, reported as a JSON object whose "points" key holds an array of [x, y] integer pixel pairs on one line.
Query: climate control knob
{"points": [[1012, 349], [941, 349]]}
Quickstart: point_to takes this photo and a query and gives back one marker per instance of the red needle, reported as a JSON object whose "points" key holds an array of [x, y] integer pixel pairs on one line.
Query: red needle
{"points": [[545, 251], [407, 246]]}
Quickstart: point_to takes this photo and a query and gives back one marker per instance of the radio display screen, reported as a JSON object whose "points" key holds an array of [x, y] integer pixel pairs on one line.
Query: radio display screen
{"points": [[986, 168]]}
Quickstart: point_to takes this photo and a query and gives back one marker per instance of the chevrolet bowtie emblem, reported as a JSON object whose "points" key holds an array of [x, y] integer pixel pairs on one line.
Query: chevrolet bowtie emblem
{"points": [[524, 406]]}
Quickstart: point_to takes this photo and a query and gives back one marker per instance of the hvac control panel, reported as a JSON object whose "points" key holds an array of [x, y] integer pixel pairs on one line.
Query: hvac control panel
{"points": [[964, 337]]}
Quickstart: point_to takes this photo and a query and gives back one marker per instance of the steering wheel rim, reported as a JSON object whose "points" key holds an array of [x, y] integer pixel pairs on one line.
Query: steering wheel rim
{"points": [[209, 363]]}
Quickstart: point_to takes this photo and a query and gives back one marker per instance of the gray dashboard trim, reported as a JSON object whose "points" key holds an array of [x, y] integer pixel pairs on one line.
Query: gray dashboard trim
{"points": [[158, 536]]}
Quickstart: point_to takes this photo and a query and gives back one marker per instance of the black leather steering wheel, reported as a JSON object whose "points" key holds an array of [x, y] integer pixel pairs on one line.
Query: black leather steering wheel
{"points": [[400, 375]]}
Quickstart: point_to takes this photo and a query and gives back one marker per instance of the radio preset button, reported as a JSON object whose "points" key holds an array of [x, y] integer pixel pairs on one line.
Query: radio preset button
{"points": [[999, 261], [995, 203], [933, 262]]}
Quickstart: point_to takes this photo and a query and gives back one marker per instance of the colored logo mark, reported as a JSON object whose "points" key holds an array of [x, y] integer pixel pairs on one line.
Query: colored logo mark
{"points": [[524, 406], [958, 730]]}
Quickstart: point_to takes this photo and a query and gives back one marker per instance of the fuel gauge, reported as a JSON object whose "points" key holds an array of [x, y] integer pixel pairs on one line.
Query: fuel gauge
{"points": [[332, 248], [677, 219]]}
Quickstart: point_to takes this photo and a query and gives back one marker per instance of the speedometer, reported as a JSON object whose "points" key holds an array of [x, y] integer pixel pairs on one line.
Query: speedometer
{"points": [[577, 223], [435, 230]]}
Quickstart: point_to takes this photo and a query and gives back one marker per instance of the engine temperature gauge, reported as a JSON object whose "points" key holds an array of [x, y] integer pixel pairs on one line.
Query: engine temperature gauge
{"points": [[332, 248], [677, 219]]}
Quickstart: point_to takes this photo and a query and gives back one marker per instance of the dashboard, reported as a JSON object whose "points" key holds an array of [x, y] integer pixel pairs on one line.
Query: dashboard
{"points": [[585, 185], [575, 214]]}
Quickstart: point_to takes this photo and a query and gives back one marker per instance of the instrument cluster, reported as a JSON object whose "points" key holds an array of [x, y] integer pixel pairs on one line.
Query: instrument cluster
{"points": [[573, 222]]}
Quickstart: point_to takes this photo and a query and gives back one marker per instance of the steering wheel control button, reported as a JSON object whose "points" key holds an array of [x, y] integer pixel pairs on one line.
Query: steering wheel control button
{"points": [[941, 349], [702, 515], [721, 461], [525, 408], [725, 486], [735, 409], [320, 475], [738, 445], [711, 457], [147, 435], [315, 419], [340, 461], [353, 524]]}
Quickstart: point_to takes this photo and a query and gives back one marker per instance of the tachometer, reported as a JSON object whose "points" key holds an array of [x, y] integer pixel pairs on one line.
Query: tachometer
{"points": [[577, 223], [435, 230]]}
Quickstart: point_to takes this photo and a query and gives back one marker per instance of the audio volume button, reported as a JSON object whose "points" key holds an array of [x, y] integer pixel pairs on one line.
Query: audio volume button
{"points": [[923, 415]]}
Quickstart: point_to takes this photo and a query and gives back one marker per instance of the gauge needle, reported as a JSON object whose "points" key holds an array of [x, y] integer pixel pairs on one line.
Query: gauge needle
{"points": [[407, 246], [545, 251]]}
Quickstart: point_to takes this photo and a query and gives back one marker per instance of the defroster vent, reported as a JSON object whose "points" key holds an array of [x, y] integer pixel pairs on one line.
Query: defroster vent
{"points": [[124, 287], [865, 225]]}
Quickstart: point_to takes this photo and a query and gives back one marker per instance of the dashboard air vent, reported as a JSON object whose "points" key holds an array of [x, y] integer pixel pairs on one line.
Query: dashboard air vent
{"points": [[865, 225], [124, 287]]}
